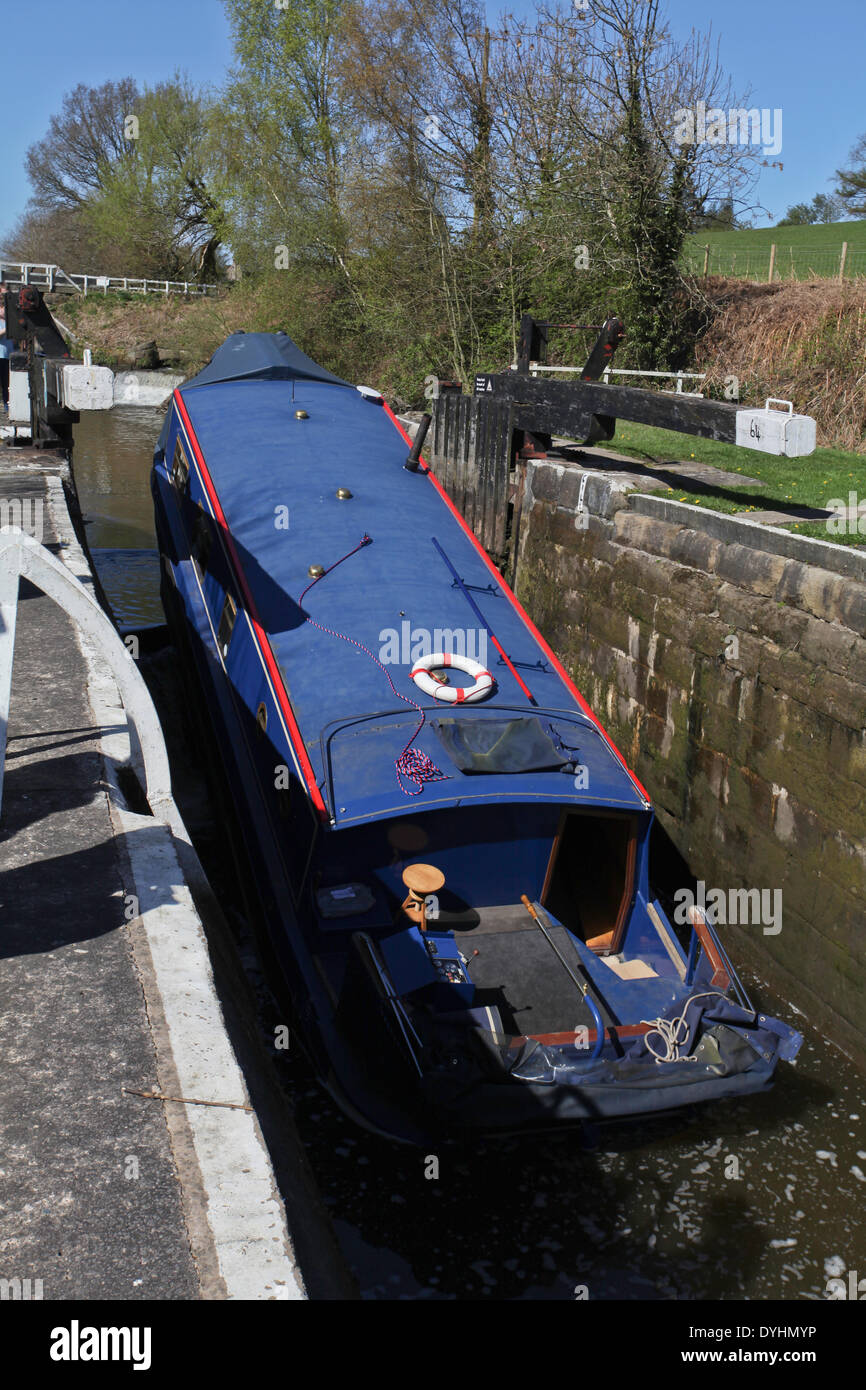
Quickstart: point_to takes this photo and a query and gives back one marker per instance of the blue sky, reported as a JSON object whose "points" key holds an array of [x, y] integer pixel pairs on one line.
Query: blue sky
{"points": [[805, 58]]}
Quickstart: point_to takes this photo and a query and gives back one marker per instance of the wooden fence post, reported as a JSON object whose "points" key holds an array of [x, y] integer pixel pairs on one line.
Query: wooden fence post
{"points": [[842, 259], [772, 264], [706, 260]]}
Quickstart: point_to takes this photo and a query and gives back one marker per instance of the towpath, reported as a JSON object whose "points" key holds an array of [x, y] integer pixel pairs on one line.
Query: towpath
{"points": [[106, 990]]}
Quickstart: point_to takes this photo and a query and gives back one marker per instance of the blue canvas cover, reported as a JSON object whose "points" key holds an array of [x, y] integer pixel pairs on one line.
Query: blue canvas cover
{"points": [[269, 356], [384, 576]]}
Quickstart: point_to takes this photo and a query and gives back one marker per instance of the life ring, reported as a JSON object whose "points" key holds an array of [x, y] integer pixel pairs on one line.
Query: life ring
{"points": [[452, 694]]}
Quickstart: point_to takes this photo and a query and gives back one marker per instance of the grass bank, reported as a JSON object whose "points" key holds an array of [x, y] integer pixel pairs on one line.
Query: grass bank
{"points": [[802, 253], [314, 312], [803, 342], [186, 331], [827, 475]]}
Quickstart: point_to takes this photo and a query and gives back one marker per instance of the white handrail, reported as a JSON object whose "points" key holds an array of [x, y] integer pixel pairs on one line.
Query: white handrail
{"points": [[45, 275], [679, 377], [22, 556]]}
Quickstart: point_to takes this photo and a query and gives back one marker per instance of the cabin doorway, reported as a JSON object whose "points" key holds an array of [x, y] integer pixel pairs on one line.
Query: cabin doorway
{"points": [[590, 876]]}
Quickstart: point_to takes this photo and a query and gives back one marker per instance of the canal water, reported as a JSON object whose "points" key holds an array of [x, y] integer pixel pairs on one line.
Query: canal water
{"points": [[753, 1199], [112, 455]]}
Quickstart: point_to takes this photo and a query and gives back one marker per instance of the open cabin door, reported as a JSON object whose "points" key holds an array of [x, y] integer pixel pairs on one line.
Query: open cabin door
{"points": [[589, 884]]}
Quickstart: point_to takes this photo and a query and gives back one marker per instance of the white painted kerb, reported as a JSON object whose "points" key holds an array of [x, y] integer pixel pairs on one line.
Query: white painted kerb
{"points": [[244, 1212]]}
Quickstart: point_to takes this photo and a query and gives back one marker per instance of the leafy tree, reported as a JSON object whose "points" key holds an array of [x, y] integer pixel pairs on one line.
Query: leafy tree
{"points": [[799, 215], [851, 189], [284, 128], [122, 183], [720, 216], [821, 209], [827, 208], [159, 199], [84, 140]]}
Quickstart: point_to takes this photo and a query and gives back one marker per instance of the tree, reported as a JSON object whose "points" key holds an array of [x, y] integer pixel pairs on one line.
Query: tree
{"points": [[159, 199], [542, 147], [800, 215], [85, 139], [720, 216], [646, 176], [56, 236], [823, 208], [284, 124], [122, 183], [851, 189]]}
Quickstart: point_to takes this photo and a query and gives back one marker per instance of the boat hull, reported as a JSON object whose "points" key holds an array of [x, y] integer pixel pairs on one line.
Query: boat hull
{"points": [[397, 1027]]}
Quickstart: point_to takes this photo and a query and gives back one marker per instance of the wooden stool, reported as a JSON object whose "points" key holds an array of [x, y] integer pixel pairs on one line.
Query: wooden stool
{"points": [[421, 880]]}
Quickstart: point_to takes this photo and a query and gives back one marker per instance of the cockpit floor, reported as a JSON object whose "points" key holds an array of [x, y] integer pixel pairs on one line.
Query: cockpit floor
{"points": [[519, 973]]}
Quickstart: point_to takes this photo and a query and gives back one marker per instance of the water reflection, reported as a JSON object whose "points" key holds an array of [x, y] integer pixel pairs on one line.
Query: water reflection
{"points": [[751, 1199], [112, 458]]}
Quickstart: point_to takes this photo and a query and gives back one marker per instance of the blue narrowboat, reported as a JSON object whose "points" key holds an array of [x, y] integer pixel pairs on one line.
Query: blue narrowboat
{"points": [[451, 857]]}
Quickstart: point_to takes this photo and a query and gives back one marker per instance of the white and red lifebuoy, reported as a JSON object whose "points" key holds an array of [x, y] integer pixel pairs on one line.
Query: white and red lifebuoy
{"points": [[452, 694]]}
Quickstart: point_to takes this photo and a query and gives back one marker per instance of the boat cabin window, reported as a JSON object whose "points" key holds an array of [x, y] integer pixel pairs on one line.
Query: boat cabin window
{"points": [[202, 540], [180, 468], [590, 876], [227, 623]]}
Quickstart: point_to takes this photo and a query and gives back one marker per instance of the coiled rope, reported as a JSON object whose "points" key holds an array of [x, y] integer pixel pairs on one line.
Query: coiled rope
{"points": [[669, 1030], [413, 763]]}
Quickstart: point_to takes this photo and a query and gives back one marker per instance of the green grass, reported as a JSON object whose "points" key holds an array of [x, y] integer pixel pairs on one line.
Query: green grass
{"points": [[801, 252], [811, 482]]}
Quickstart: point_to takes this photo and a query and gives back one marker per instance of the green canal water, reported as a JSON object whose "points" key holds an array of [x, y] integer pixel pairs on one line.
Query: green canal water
{"points": [[758, 1199], [111, 460]]}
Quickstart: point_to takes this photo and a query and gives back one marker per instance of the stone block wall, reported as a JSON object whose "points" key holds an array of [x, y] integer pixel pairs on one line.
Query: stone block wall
{"points": [[728, 662]]}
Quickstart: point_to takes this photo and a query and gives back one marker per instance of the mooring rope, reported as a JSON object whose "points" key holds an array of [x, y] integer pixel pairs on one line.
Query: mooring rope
{"points": [[670, 1031], [413, 763]]}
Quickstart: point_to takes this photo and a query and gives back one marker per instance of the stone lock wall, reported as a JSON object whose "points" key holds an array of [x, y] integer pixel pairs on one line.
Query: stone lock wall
{"points": [[728, 662]]}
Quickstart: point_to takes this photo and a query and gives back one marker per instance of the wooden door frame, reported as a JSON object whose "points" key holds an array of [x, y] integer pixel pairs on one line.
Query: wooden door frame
{"points": [[611, 941]]}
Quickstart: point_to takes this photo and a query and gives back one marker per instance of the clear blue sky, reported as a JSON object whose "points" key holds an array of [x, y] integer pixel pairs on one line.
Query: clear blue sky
{"points": [[807, 58]]}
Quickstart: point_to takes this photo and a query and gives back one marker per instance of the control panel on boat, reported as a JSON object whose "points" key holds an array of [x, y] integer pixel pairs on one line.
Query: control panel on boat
{"points": [[446, 967]]}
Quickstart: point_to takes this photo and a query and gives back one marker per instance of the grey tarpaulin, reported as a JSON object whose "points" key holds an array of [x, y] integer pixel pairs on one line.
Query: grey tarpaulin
{"points": [[499, 745]]}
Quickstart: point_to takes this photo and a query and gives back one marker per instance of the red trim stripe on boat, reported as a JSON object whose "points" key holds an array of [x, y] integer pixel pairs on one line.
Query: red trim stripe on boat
{"points": [[613, 1030], [551, 655], [252, 612]]}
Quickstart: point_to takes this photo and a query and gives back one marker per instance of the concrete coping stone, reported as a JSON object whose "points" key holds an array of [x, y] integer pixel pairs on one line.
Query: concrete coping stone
{"points": [[603, 495], [809, 550]]}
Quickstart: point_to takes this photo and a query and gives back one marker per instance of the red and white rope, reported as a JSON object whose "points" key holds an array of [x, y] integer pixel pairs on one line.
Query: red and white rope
{"points": [[413, 763]]}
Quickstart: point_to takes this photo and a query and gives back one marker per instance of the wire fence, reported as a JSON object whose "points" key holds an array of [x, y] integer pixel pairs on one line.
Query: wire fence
{"points": [[764, 261]]}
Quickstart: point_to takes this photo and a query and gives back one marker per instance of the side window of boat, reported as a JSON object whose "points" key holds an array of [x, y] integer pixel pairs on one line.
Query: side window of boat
{"points": [[227, 623], [202, 539], [180, 467]]}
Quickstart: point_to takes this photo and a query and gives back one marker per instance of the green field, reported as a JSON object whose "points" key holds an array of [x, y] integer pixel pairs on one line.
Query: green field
{"points": [[808, 482], [801, 252]]}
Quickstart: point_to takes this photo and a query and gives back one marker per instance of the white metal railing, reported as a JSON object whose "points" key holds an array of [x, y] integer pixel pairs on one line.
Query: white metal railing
{"points": [[22, 556], [679, 377], [49, 277]]}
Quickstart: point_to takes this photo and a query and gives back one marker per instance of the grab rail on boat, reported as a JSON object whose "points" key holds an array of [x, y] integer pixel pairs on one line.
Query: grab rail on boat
{"points": [[401, 1017], [704, 937]]}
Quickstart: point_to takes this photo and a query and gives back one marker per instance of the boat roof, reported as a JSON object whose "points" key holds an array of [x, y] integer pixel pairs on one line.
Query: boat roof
{"points": [[266, 356], [277, 479]]}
